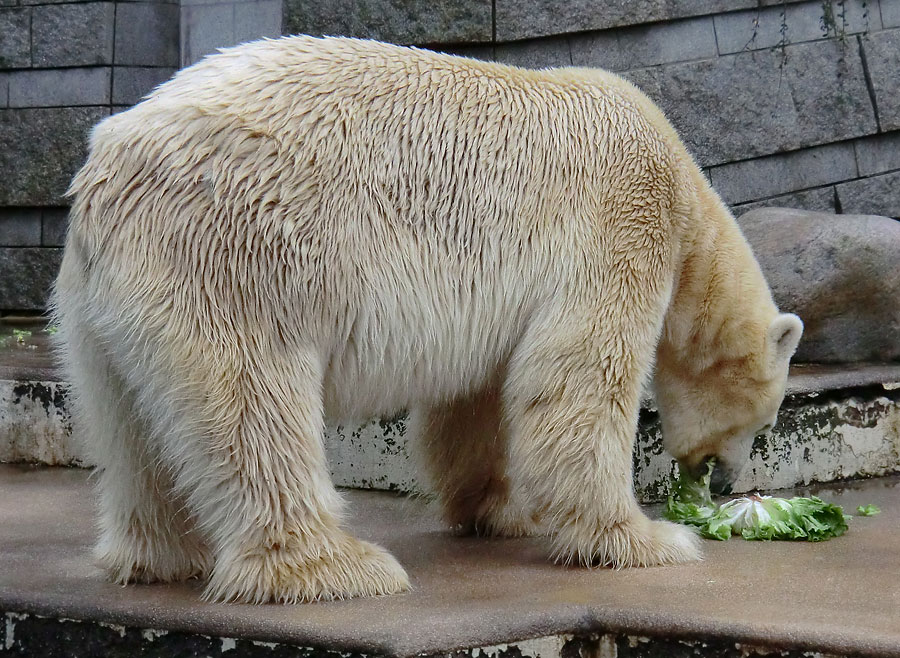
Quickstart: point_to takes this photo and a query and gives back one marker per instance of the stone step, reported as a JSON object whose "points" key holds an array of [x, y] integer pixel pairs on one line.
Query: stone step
{"points": [[471, 597], [837, 422]]}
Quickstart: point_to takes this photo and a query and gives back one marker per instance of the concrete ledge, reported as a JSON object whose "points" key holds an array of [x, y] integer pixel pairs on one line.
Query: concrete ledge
{"points": [[471, 596]]}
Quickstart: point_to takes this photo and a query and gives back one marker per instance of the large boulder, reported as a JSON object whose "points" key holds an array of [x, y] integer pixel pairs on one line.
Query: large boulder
{"points": [[839, 273]]}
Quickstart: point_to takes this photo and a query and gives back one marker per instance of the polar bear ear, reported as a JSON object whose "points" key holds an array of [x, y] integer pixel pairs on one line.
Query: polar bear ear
{"points": [[784, 334]]}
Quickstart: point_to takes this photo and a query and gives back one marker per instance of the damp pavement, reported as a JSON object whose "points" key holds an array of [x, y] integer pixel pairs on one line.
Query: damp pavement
{"points": [[838, 597]]}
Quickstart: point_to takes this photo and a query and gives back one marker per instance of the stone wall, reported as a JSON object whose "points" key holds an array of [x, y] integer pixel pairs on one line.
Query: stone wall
{"points": [[783, 103], [63, 67]]}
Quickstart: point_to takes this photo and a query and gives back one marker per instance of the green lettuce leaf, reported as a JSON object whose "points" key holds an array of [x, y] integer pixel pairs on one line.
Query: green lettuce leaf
{"points": [[868, 510], [753, 517]]}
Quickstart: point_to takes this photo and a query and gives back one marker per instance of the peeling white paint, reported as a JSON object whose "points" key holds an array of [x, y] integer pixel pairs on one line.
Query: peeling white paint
{"points": [[228, 644], [268, 645], [151, 634], [817, 441], [118, 628]]}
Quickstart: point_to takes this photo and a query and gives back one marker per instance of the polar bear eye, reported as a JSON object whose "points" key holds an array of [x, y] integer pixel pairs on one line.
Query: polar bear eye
{"points": [[765, 428]]}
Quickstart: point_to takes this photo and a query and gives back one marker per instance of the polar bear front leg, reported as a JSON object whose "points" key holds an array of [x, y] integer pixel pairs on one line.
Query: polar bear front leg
{"points": [[571, 401], [264, 494]]}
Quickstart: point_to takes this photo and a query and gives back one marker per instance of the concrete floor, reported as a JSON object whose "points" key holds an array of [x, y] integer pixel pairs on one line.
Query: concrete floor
{"points": [[840, 596]]}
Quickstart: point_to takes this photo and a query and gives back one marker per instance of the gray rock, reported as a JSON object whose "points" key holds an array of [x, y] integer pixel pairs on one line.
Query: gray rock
{"points": [[205, 28], [79, 34], [757, 103], [20, 227], [821, 199], [765, 28], [28, 273], [256, 19], [876, 195], [15, 38], [59, 87], [881, 57], [397, 21], [839, 273], [40, 150], [645, 45], [536, 53], [763, 178], [523, 19], [878, 154], [131, 83], [147, 34], [54, 222], [890, 13]]}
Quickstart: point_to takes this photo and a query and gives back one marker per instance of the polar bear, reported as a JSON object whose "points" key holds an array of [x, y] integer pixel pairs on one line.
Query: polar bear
{"points": [[301, 229]]}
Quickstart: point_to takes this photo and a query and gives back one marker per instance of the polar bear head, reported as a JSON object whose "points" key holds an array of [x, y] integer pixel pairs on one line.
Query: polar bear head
{"points": [[715, 408]]}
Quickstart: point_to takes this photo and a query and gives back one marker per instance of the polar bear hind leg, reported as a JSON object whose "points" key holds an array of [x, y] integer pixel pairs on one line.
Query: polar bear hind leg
{"points": [[262, 492], [146, 534]]}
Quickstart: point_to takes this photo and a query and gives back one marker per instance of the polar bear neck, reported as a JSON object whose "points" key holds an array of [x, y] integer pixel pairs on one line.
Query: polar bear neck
{"points": [[721, 304]]}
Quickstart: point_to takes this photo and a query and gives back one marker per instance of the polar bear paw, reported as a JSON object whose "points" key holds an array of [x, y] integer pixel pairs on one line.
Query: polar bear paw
{"points": [[346, 568], [638, 542], [140, 558]]}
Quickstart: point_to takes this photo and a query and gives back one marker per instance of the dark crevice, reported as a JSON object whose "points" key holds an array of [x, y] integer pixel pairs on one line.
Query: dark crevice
{"points": [[869, 85], [838, 209]]}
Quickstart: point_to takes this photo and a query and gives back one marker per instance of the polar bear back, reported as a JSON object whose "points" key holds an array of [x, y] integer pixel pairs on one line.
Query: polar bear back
{"points": [[404, 212]]}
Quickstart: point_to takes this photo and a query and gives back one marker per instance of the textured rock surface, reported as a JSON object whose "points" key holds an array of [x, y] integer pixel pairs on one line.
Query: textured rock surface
{"points": [[839, 273], [521, 19], [40, 151], [392, 20], [79, 34], [28, 273], [881, 57], [761, 102], [15, 38], [876, 195]]}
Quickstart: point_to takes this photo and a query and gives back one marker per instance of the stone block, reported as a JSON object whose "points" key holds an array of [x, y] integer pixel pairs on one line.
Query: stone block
{"points": [[54, 222], [397, 21], [15, 38], [258, 19], [20, 227], [645, 45], [876, 195], [40, 150], [78, 34], [881, 53], [821, 199], [28, 274], [890, 13], [59, 87], [131, 83], [763, 178], [147, 34], [839, 274], [4, 89], [485, 53], [523, 19], [877, 154], [204, 28], [757, 103], [536, 53], [807, 21]]}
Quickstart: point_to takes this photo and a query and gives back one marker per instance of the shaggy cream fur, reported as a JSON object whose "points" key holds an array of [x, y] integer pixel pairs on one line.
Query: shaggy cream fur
{"points": [[306, 228]]}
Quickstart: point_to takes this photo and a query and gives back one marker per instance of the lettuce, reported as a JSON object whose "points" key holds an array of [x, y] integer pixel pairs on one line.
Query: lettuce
{"points": [[753, 517], [868, 510]]}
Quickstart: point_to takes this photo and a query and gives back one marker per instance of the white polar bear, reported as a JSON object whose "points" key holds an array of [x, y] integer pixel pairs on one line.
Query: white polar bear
{"points": [[303, 228]]}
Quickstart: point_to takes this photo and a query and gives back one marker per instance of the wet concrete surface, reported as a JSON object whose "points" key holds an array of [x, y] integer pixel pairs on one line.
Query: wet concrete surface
{"points": [[840, 596]]}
